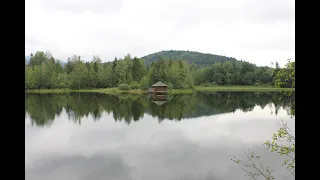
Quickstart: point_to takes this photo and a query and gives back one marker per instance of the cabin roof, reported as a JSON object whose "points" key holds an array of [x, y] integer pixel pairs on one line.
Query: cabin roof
{"points": [[159, 103], [159, 83]]}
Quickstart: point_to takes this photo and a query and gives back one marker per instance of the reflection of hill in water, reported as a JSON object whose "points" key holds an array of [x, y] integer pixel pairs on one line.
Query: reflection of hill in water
{"points": [[43, 108]]}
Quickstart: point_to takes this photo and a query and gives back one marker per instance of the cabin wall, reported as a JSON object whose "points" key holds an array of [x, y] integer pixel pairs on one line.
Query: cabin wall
{"points": [[160, 88], [158, 97]]}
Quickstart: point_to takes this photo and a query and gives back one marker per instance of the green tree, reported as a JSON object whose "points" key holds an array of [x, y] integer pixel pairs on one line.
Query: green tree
{"points": [[144, 82], [248, 78], [79, 75], [38, 58], [45, 77], [69, 67], [228, 79], [63, 80], [54, 82], [37, 80], [236, 78], [275, 72], [107, 76], [96, 61], [138, 69], [58, 67], [120, 72], [30, 78], [286, 76], [93, 75]]}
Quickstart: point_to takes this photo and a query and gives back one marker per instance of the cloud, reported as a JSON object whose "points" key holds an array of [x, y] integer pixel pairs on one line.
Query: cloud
{"points": [[255, 31], [106, 166], [96, 6], [187, 149], [269, 11]]}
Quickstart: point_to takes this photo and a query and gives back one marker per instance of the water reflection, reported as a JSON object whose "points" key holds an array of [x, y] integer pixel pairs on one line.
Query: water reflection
{"points": [[43, 108], [199, 148]]}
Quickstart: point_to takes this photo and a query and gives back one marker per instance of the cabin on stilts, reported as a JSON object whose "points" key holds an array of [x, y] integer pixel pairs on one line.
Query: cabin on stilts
{"points": [[158, 88]]}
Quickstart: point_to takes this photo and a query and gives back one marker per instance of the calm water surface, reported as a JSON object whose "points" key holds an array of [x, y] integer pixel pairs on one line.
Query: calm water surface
{"points": [[88, 136]]}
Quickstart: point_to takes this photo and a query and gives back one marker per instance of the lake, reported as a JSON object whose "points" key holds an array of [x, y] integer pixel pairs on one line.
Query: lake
{"points": [[88, 136]]}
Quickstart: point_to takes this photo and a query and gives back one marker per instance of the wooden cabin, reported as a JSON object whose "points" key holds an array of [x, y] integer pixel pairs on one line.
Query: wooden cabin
{"points": [[159, 87], [159, 99]]}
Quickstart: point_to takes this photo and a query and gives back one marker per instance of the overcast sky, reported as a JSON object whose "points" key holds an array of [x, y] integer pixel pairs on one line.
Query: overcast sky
{"points": [[258, 31]]}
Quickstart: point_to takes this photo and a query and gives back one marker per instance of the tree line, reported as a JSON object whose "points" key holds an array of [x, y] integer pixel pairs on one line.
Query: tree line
{"points": [[44, 72]]}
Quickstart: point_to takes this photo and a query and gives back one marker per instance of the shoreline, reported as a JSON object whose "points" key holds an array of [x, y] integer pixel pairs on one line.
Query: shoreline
{"points": [[172, 91], [242, 88]]}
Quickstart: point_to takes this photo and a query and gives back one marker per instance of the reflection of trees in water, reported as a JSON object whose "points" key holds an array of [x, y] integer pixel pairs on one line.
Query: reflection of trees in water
{"points": [[44, 108], [227, 102], [175, 109]]}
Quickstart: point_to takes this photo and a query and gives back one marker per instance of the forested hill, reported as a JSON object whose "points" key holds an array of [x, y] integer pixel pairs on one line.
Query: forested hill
{"points": [[200, 59]]}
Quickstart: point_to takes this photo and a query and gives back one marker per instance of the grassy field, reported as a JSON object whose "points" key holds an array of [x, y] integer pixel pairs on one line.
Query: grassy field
{"points": [[172, 91]]}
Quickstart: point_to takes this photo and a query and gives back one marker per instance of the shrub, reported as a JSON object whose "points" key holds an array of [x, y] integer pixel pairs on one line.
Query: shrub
{"points": [[62, 85], [124, 86], [213, 83], [170, 85], [134, 85]]}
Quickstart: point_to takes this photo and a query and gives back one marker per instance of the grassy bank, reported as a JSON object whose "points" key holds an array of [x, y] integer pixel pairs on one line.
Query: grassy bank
{"points": [[104, 90], [242, 88], [171, 91], [181, 91]]}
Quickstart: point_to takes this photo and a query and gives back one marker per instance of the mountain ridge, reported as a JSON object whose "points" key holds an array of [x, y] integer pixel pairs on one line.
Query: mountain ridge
{"points": [[200, 59]]}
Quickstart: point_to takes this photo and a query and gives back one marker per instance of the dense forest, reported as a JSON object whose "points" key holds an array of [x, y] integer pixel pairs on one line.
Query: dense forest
{"points": [[200, 59], [43, 109], [42, 71]]}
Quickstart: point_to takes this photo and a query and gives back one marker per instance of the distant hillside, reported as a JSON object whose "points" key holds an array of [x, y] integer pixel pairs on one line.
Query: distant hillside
{"points": [[62, 62], [27, 58], [201, 59]]}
